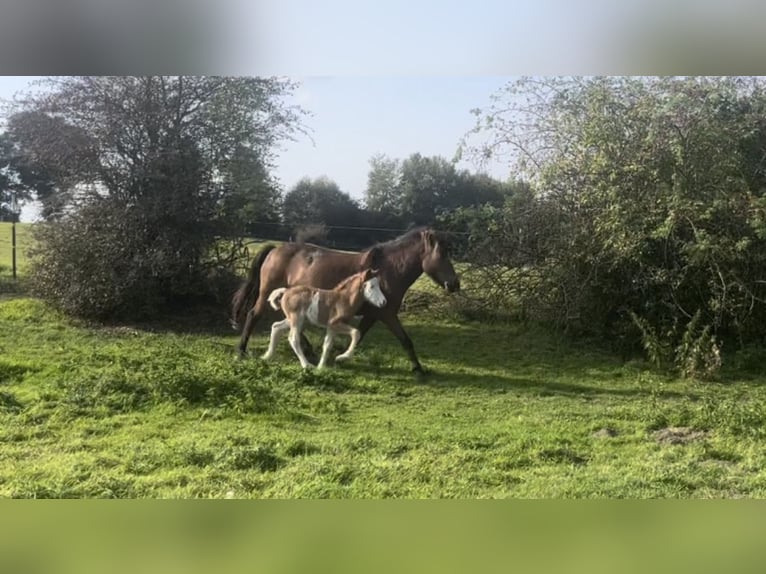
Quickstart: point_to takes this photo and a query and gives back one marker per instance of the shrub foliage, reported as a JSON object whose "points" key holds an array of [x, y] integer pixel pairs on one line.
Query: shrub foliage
{"points": [[647, 210], [164, 168]]}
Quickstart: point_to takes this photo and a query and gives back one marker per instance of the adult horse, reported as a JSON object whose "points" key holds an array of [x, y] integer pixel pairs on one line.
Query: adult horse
{"points": [[399, 261]]}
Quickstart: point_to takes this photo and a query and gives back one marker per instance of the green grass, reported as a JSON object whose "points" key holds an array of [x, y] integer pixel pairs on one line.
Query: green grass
{"points": [[165, 410]]}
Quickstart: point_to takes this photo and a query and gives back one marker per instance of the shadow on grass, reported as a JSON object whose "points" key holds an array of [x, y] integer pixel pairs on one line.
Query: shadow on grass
{"points": [[10, 287], [199, 320], [497, 358], [502, 359], [542, 388]]}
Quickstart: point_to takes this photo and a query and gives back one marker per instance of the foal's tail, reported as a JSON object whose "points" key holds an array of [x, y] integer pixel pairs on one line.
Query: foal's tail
{"points": [[275, 296], [247, 294]]}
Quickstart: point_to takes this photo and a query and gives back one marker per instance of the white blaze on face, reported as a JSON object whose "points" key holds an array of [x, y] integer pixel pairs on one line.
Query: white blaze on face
{"points": [[313, 311], [372, 292]]}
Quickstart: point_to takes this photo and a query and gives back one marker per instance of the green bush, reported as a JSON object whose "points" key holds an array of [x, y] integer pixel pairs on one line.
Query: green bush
{"points": [[116, 260], [648, 201]]}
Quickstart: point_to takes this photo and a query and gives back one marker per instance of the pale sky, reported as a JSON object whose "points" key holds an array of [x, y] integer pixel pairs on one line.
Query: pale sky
{"points": [[354, 117]]}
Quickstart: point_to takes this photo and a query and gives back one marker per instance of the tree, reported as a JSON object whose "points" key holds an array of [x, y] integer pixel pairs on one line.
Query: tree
{"points": [[318, 201], [426, 184], [6, 178], [654, 189], [251, 198], [383, 180], [159, 155], [319, 207], [421, 189], [50, 158]]}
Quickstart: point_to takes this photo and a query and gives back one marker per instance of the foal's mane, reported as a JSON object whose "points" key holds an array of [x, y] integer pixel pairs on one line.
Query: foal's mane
{"points": [[348, 280]]}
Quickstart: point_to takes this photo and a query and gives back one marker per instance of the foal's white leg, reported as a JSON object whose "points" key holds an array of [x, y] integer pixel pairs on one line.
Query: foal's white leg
{"points": [[295, 343], [325, 349], [355, 336], [277, 329]]}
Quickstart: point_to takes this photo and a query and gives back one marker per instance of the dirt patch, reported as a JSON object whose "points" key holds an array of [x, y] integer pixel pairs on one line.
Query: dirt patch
{"points": [[605, 432], [678, 435]]}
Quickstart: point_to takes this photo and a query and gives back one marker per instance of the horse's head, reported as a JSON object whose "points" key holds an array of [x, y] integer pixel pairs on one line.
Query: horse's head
{"points": [[436, 262]]}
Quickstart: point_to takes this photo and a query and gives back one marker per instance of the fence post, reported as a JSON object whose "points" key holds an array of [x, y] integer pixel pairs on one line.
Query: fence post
{"points": [[15, 211], [13, 244]]}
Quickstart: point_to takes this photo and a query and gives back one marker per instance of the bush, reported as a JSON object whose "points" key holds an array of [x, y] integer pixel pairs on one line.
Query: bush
{"points": [[142, 175], [111, 259], [649, 201]]}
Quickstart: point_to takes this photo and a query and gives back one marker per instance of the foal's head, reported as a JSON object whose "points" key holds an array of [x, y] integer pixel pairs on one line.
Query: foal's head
{"points": [[436, 262], [371, 288], [366, 283]]}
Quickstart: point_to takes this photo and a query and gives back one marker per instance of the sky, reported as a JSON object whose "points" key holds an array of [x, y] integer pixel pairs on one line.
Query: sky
{"points": [[353, 118]]}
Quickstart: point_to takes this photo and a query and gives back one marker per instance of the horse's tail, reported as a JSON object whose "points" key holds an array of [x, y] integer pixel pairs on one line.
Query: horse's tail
{"points": [[247, 294], [275, 296]]}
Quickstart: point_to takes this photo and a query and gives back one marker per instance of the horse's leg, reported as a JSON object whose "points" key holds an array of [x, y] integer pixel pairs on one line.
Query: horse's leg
{"points": [[277, 329], [252, 318], [295, 343], [308, 350], [355, 334], [325, 349], [365, 325], [393, 324]]}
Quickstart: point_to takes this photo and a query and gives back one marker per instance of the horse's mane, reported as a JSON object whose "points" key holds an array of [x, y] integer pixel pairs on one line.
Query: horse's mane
{"points": [[406, 238]]}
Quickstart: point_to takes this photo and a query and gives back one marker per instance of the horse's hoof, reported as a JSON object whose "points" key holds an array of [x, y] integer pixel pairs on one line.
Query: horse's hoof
{"points": [[420, 372]]}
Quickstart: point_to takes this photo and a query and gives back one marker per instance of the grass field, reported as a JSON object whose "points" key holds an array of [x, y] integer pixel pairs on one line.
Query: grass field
{"points": [[165, 410]]}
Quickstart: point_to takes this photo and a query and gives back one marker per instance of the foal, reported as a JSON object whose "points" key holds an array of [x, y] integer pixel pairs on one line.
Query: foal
{"points": [[330, 308]]}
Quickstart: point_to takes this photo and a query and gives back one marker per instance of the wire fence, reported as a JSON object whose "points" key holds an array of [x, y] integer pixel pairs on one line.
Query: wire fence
{"points": [[342, 237]]}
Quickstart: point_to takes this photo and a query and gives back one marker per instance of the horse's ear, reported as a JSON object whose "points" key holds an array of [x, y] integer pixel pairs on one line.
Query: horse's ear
{"points": [[373, 258], [430, 238]]}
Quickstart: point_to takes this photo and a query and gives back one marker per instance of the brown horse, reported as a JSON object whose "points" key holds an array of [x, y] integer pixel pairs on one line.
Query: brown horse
{"points": [[399, 261]]}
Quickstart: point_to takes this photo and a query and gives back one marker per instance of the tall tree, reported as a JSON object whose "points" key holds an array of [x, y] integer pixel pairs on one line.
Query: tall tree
{"points": [[426, 183], [251, 196], [6, 177], [318, 201], [382, 193], [105, 131], [152, 155], [420, 189]]}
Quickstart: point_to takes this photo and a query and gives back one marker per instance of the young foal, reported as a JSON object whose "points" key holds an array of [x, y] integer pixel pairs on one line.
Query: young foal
{"points": [[330, 308]]}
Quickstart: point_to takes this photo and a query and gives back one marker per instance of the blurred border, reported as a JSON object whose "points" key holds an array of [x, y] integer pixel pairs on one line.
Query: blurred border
{"points": [[398, 37], [376, 536]]}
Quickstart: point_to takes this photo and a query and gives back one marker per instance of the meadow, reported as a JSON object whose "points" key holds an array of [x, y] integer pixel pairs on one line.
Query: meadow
{"points": [[165, 410]]}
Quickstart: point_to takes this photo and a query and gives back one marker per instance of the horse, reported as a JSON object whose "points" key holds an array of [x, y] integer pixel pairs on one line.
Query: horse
{"points": [[400, 262], [329, 308]]}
